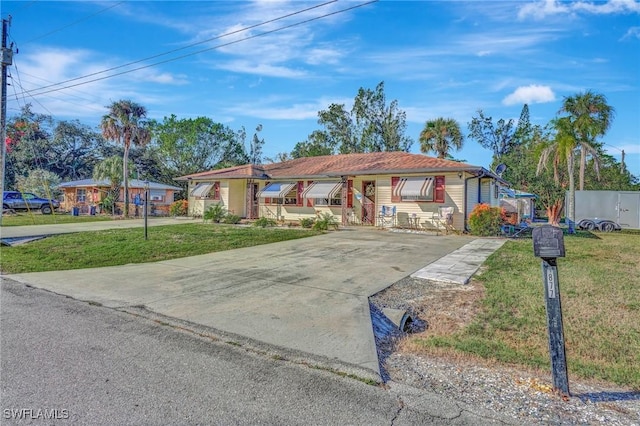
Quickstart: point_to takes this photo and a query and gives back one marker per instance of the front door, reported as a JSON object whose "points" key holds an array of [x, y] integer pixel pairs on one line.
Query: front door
{"points": [[252, 200], [368, 202]]}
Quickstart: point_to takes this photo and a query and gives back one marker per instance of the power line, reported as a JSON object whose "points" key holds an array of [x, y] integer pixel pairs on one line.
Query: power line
{"points": [[73, 23], [183, 48], [94, 98]]}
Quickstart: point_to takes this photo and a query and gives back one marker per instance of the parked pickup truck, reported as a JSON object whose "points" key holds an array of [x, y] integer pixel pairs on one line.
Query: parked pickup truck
{"points": [[27, 201]]}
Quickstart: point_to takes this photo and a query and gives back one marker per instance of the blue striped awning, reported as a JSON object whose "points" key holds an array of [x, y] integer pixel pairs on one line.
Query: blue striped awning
{"points": [[322, 190], [414, 187], [276, 190]]}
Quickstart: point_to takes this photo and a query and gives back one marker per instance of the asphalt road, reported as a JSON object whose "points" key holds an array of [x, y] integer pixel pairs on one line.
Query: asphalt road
{"points": [[84, 364]]}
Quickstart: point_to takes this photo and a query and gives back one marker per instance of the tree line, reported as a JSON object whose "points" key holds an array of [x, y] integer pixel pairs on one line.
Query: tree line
{"points": [[43, 152]]}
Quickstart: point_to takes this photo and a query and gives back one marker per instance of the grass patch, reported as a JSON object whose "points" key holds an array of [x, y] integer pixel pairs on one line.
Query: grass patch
{"points": [[599, 285], [122, 246], [24, 219]]}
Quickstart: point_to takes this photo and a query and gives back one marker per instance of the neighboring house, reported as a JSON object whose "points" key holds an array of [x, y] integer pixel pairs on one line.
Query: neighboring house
{"points": [[412, 188], [88, 193]]}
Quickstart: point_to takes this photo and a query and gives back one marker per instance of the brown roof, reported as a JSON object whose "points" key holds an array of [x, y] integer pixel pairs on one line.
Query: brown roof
{"points": [[340, 165], [245, 171]]}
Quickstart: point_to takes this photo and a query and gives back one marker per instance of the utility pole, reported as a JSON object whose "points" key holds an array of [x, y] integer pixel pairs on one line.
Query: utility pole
{"points": [[6, 58]]}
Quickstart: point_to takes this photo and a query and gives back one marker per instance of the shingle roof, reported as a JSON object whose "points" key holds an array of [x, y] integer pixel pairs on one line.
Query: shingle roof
{"points": [[339, 165]]}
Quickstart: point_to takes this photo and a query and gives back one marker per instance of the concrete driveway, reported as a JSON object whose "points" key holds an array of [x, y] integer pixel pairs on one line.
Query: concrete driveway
{"points": [[308, 295]]}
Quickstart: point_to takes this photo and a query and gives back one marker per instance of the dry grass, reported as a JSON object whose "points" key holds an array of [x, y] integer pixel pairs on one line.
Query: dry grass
{"points": [[502, 316]]}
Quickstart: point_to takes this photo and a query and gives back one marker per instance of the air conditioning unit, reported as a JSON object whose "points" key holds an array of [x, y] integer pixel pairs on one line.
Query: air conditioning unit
{"points": [[156, 198]]}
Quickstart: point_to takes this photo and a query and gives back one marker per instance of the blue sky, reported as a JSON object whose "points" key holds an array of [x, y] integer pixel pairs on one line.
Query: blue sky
{"points": [[448, 59]]}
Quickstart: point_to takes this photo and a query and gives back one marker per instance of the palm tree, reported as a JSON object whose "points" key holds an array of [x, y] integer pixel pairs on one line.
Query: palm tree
{"points": [[125, 123], [561, 151], [110, 169], [440, 136], [590, 117]]}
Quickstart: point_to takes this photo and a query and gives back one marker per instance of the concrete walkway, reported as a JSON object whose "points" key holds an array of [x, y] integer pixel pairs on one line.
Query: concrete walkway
{"points": [[308, 295], [459, 266]]}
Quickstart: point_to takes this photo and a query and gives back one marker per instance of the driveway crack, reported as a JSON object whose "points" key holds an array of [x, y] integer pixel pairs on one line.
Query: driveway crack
{"points": [[398, 411]]}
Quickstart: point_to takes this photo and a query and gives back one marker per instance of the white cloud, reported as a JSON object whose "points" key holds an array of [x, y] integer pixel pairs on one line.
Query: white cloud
{"points": [[541, 9], [248, 67], [86, 99], [609, 7], [532, 94], [277, 108], [633, 32]]}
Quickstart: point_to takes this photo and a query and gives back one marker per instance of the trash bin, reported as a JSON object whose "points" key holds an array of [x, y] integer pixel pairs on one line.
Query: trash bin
{"points": [[75, 211], [92, 210]]}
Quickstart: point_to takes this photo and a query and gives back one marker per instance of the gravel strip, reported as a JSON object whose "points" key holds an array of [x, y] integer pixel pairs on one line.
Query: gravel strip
{"points": [[520, 394]]}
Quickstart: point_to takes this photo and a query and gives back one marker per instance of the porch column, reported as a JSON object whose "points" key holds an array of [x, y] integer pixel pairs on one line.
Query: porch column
{"points": [[344, 203]]}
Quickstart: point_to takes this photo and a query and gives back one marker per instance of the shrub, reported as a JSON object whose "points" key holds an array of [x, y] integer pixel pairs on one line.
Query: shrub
{"points": [[215, 213], [264, 222], [307, 222], [179, 208], [325, 221], [485, 221], [231, 219], [107, 204]]}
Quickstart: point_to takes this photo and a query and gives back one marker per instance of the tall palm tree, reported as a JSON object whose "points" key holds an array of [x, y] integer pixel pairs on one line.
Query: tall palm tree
{"points": [[561, 151], [125, 123], [440, 136], [590, 117]]}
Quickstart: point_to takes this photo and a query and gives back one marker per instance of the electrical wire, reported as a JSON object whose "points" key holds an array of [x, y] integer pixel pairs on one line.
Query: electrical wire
{"points": [[250, 27], [73, 23], [86, 98]]}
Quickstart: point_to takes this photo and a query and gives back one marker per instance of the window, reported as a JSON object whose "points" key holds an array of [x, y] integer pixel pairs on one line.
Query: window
{"points": [[324, 193], [81, 195], [335, 201], [202, 190], [291, 199], [418, 189], [157, 195], [289, 193]]}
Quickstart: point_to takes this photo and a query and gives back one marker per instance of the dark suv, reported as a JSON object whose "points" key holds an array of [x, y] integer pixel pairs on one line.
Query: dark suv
{"points": [[27, 201]]}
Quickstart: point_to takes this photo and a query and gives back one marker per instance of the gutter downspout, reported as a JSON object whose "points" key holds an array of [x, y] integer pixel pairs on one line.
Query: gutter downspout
{"points": [[482, 174]]}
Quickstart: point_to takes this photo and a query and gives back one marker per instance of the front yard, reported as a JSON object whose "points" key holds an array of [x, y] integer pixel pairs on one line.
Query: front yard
{"points": [[501, 315], [122, 246]]}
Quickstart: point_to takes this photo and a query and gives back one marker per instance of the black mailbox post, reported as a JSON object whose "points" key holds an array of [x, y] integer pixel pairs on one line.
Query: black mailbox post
{"points": [[548, 244]]}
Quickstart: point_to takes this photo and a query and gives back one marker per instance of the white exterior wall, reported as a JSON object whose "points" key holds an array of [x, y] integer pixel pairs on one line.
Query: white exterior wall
{"points": [[234, 194], [197, 206], [424, 211]]}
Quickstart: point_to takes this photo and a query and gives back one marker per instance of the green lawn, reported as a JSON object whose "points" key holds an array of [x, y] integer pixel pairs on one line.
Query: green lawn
{"points": [[122, 246], [600, 290], [37, 218]]}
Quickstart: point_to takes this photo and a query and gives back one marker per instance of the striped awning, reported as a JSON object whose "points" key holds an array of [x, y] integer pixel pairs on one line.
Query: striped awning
{"points": [[201, 190], [414, 187], [276, 190], [322, 190]]}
